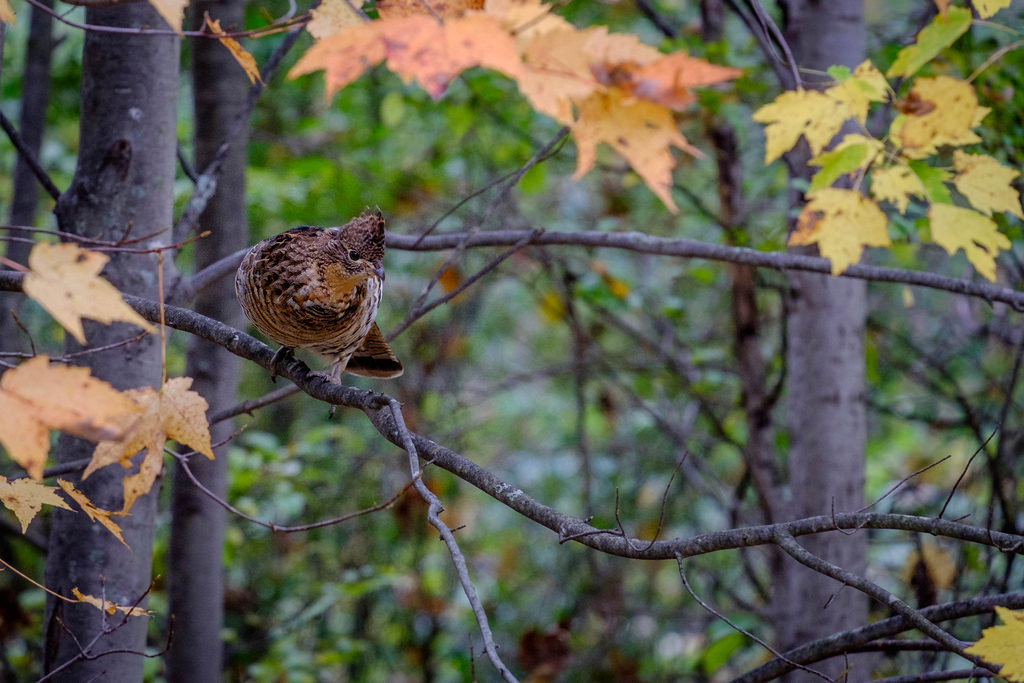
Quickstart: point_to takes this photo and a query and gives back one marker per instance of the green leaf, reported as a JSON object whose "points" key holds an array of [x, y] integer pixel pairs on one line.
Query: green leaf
{"points": [[933, 180], [717, 654], [839, 73], [836, 163], [933, 38]]}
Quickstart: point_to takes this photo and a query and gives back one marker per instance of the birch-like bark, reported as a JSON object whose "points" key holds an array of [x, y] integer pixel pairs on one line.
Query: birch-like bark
{"points": [[123, 182], [825, 385]]}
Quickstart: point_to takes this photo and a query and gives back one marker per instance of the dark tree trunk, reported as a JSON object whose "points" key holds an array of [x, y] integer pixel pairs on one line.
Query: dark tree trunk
{"points": [[123, 181], [35, 95], [825, 386], [196, 580]]}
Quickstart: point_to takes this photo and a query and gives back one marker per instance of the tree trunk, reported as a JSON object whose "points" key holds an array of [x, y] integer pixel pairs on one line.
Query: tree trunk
{"points": [[35, 95], [826, 392], [195, 562], [196, 577], [123, 182]]}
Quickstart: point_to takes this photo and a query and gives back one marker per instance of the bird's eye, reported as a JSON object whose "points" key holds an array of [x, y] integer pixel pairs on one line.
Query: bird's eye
{"points": [[354, 255]]}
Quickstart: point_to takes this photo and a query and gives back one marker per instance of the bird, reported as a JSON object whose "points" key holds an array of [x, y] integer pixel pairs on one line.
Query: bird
{"points": [[319, 289]]}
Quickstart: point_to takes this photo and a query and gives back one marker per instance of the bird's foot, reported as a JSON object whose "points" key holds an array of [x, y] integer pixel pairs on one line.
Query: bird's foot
{"points": [[282, 354], [333, 376]]}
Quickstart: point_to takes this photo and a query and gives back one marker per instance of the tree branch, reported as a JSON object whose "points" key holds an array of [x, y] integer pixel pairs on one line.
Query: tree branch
{"points": [[683, 248], [611, 541]]}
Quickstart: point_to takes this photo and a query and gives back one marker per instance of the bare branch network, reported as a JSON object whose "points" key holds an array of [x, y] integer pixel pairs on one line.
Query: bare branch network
{"points": [[382, 410]]}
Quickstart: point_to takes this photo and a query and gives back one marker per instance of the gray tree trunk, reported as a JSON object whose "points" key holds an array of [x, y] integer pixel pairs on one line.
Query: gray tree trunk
{"points": [[195, 571], [123, 180], [826, 390], [35, 95]]}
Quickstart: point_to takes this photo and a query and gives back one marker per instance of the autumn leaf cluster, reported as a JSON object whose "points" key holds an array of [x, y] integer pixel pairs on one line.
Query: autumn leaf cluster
{"points": [[910, 162], [608, 88], [40, 396]]}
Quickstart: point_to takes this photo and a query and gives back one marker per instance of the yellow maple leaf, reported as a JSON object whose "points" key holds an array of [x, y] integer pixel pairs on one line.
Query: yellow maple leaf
{"points": [[95, 514], [175, 413], [948, 110], [896, 184], [7, 14], [415, 48], [986, 183], [864, 86], [36, 397], [446, 9], [173, 11], [793, 113], [847, 223], [330, 16], [65, 280], [640, 131], [108, 606], [954, 227], [986, 8], [244, 59], [1003, 644], [25, 498]]}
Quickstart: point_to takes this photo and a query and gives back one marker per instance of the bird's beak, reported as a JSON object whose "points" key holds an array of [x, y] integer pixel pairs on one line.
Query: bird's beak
{"points": [[380, 272]]}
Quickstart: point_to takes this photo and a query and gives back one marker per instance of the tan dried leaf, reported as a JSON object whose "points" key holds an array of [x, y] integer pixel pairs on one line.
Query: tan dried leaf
{"points": [[36, 397], [241, 55], [173, 11], [95, 514], [175, 413], [25, 498], [65, 280], [108, 606], [7, 14]]}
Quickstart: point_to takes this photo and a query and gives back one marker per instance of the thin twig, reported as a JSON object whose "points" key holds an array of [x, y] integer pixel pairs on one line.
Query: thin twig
{"points": [[901, 482], [966, 468], [182, 459], [41, 175], [434, 509], [739, 629], [873, 590]]}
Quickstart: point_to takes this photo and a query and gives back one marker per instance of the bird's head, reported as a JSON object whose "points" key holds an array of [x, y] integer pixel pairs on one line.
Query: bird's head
{"points": [[359, 247]]}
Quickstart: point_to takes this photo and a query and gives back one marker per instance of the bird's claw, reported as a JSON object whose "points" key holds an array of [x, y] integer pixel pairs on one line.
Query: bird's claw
{"points": [[282, 354]]}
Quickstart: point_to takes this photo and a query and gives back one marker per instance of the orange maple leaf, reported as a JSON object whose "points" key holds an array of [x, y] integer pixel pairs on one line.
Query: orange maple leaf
{"points": [[416, 48], [388, 9], [641, 131], [667, 81]]}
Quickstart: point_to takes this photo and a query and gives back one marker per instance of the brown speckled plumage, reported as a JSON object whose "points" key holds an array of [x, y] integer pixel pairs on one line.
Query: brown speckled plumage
{"points": [[319, 289]]}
